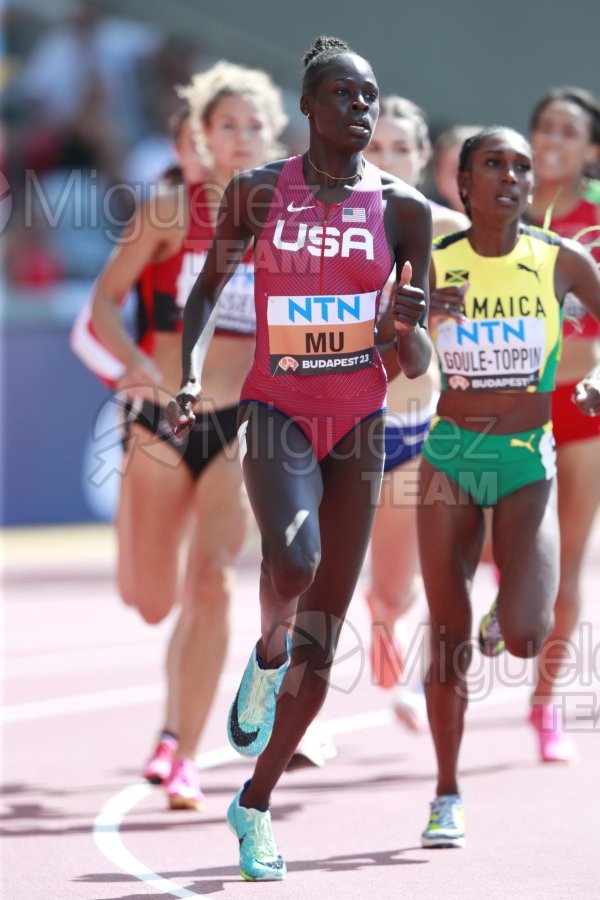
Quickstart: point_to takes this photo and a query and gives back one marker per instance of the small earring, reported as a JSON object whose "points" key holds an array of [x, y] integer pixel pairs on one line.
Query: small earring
{"points": [[530, 199], [307, 115]]}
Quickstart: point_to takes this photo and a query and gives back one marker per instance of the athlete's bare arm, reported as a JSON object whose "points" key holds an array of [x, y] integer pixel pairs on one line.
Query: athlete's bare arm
{"points": [[408, 228], [576, 271], [146, 240], [241, 216]]}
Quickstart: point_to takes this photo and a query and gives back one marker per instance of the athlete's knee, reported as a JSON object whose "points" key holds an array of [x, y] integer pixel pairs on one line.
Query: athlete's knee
{"points": [[526, 639], [210, 584], [292, 570], [153, 605], [397, 599], [152, 615]]}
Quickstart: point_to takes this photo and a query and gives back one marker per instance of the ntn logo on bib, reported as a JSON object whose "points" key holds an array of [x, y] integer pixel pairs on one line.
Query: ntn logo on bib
{"points": [[321, 332], [492, 354]]}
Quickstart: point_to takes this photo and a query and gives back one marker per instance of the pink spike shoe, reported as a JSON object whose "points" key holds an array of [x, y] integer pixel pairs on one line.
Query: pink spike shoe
{"points": [[158, 767], [183, 786], [554, 745]]}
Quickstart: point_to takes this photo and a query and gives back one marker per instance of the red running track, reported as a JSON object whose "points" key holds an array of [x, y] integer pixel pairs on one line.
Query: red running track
{"points": [[82, 694]]}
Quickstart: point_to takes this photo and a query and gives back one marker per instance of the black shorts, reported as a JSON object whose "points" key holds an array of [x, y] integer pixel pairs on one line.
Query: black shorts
{"points": [[212, 432]]}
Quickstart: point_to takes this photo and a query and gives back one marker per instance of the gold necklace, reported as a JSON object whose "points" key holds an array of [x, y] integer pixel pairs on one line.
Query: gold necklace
{"points": [[358, 174]]}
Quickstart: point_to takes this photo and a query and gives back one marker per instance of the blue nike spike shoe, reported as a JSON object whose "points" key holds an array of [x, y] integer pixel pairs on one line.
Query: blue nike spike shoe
{"points": [[259, 856], [252, 713]]}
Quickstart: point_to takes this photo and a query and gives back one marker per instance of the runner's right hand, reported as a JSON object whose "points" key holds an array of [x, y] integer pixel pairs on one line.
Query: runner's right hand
{"points": [[180, 413], [448, 302]]}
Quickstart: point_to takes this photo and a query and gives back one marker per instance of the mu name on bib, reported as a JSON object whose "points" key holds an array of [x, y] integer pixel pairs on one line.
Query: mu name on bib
{"points": [[312, 335]]}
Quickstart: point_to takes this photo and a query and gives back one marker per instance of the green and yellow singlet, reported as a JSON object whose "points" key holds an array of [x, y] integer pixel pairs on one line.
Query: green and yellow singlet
{"points": [[511, 337]]}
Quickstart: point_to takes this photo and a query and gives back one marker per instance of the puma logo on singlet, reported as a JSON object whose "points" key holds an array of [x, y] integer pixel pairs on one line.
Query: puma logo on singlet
{"points": [[292, 208], [517, 442], [525, 268]]}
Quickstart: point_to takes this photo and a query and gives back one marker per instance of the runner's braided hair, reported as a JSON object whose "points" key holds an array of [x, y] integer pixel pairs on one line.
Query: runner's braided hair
{"points": [[322, 51]]}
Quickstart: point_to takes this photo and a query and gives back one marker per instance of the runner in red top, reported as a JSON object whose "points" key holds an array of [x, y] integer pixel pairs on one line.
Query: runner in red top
{"points": [[565, 136], [328, 229]]}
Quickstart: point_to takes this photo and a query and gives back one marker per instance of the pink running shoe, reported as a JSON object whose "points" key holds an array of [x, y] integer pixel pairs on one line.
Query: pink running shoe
{"points": [[158, 767], [554, 745], [183, 786]]}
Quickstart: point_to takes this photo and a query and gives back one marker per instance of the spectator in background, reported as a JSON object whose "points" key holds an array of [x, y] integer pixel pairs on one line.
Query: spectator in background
{"points": [[77, 105], [89, 47]]}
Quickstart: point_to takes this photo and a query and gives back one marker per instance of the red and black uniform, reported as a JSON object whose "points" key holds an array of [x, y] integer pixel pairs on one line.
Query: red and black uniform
{"points": [[162, 291]]}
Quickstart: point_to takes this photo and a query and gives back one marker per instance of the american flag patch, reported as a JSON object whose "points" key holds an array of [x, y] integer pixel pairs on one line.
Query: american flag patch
{"points": [[358, 214]]}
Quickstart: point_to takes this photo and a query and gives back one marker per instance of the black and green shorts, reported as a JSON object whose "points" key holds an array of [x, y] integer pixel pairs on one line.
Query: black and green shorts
{"points": [[490, 466]]}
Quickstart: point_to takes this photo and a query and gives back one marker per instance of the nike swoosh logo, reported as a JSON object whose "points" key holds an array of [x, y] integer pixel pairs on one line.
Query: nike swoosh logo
{"points": [[242, 738], [292, 208]]}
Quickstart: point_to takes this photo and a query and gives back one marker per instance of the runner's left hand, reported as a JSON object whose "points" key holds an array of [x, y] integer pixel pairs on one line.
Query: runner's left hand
{"points": [[587, 395], [408, 302]]}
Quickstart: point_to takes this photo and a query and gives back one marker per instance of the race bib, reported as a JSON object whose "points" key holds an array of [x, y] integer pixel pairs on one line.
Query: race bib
{"points": [[236, 304], [317, 335], [492, 354]]}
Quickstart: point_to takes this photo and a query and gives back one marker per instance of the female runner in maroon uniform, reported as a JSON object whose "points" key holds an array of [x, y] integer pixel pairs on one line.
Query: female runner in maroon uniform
{"points": [[177, 490], [328, 228]]}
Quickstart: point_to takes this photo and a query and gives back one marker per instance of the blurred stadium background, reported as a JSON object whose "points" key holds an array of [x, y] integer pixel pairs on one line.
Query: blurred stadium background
{"points": [[87, 89]]}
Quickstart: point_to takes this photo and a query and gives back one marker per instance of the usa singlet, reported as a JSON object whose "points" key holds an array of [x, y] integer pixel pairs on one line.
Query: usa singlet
{"points": [[512, 339], [319, 272]]}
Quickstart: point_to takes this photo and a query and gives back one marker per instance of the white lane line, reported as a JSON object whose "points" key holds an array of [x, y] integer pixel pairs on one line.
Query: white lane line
{"points": [[78, 703], [108, 841], [82, 703], [151, 693], [108, 821]]}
